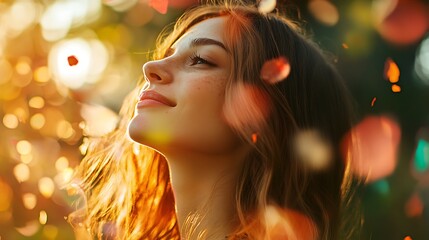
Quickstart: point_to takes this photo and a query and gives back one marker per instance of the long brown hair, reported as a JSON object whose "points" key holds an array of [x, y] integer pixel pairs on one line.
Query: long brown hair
{"points": [[127, 186]]}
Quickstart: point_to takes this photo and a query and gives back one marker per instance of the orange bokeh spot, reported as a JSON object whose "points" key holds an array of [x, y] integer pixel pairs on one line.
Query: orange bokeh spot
{"points": [[254, 137], [345, 46], [396, 88], [408, 238], [159, 5], [72, 60], [391, 71], [371, 147], [275, 70]]}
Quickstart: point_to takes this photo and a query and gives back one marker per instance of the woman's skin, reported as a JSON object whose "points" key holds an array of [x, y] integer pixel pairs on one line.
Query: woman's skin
{"points": [[203, 153]]}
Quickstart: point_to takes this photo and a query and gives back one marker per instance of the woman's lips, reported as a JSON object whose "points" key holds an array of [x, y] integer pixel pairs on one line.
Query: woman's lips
{"points": [[152, 98]]}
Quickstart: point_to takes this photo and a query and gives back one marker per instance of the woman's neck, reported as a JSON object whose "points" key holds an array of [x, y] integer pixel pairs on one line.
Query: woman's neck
{"points": [[204, 190]]}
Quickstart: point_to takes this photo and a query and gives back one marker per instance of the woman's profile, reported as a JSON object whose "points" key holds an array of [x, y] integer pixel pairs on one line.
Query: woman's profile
{"points": [[215, 143]]}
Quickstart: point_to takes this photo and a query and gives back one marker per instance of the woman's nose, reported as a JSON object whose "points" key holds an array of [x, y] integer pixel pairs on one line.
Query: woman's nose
{"points": [[156, 72]]}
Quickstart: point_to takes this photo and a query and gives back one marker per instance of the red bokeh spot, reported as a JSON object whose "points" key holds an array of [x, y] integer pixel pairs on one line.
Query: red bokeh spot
{"points": [[414, 206], [159, 5], [371, 147], [72, 60], [275, 70], [406, 24]]}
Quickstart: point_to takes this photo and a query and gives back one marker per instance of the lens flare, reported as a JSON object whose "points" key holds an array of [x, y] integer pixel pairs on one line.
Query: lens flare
{"points": [[371, 147]]}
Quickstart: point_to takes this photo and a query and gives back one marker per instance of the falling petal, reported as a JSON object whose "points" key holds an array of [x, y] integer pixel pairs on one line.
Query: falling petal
{"points": [[275, 70], [396, 88], [248, 108], [72, 60], [159, 5], [373, 101], [391, 71], [371, 147], [267, 6]]}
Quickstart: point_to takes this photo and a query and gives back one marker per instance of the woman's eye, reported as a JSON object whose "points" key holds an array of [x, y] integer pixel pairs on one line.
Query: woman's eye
{"points": [[196, 59]]}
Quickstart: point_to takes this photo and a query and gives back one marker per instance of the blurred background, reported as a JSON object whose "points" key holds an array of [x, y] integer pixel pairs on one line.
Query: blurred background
{"points": [[66, 65]]}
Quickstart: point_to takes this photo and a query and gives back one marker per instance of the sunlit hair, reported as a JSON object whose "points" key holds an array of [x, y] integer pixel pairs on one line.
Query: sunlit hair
{"points": [[127, 185]]}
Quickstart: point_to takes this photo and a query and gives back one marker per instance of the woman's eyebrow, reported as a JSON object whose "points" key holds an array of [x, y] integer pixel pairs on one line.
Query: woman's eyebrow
{"points": [[207, 41]]}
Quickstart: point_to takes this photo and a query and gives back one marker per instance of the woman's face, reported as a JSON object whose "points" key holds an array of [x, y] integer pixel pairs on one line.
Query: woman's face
{"points": [[192, 78]]}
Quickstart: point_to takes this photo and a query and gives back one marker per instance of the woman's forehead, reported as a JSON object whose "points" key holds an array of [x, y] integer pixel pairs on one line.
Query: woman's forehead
{"points": [[212, 28]]}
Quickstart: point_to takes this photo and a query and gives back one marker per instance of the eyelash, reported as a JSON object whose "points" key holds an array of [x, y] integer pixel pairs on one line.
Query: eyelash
{"points": [[195, 58]]}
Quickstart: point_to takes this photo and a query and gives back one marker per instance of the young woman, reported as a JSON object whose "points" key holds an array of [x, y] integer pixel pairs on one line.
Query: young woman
{"points": [[223, 145]]}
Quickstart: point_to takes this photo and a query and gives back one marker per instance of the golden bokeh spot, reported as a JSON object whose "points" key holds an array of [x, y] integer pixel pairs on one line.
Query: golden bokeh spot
{"points": [[10, 121], [29, 200], [23, 147], [43, 217], [61, 163], [36, 102], [46, 187], [42, 74], [37, 121], [21, 172], [27, 158], [23, 67]]}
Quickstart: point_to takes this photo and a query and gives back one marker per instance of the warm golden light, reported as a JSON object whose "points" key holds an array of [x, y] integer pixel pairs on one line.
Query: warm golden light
{"points": [[46, 187], [21, 172], [10, 121], [6, 70], [50, 231], [92, 59], [23, 147]]}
